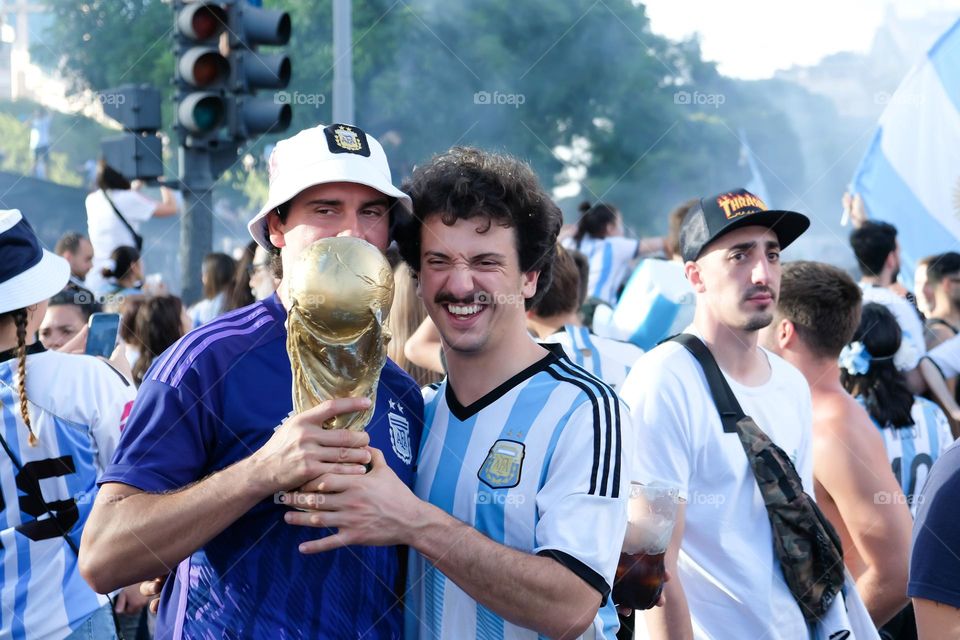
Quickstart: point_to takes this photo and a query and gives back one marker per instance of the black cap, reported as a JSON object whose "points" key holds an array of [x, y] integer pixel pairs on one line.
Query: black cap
{"points": [[730, 210]]}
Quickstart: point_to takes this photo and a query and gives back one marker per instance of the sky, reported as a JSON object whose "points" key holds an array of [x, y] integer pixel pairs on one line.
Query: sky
{"points": [[751, 39]]}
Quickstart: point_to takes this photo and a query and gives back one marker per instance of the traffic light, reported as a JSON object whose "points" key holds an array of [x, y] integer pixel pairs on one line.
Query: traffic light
{"points": [[138, 152], [217, 77], [202, 72], [218, 72], [250, 28]]}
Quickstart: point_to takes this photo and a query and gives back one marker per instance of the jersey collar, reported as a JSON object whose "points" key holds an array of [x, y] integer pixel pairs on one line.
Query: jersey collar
{"points": [[10, 354], [462, 413]]}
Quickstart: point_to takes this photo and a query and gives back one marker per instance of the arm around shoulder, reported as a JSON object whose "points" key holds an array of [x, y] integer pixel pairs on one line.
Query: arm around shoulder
{"points": [[424, 347]]}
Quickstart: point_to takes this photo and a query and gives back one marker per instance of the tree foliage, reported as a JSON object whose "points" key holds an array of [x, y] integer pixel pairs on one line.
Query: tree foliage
{"points": [[99, 44], [531, 78]]}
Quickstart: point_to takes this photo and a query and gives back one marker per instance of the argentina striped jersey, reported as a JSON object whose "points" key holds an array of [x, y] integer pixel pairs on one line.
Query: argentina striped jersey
{"points": [[540, 464], [77, 405], [608, 359], [610, 259], [913, 450]]}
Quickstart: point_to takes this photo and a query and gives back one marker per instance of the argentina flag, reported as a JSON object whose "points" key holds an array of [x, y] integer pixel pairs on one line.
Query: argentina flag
{"points": [[910, 174]]}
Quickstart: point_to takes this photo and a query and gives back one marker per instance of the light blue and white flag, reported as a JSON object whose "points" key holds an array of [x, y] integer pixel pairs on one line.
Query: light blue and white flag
{"points": [[910, 174], [756, 185]]}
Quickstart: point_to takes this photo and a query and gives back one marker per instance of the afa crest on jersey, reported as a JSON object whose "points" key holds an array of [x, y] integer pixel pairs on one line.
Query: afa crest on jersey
{"points": [[502, 467], [400, 437]]}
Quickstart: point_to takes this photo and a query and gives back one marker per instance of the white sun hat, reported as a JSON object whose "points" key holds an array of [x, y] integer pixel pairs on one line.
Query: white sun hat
{"points": [[28, 273], [321, 155]]}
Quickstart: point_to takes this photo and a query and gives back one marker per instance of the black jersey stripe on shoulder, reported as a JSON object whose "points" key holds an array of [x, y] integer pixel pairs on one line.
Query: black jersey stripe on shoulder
{"points": [[610, 433], [594, 389], [613, 439], [594, 470]]}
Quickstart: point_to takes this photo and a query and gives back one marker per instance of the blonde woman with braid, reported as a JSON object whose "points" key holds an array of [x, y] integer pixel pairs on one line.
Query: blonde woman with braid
{"points": [[60, 420]]}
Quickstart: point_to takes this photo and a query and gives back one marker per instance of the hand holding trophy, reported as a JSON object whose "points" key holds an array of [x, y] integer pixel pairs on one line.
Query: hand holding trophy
{"points": [[340, 292]]}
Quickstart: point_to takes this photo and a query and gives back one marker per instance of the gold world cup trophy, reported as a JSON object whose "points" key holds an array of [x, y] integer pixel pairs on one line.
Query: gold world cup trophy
{"points": [[341, 291]]}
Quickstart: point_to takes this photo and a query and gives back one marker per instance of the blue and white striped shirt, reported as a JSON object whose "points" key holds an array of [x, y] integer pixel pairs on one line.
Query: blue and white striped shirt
{"points": [[77, 405], [610, 260], [608, 359], [913, 450], [539, 464]]}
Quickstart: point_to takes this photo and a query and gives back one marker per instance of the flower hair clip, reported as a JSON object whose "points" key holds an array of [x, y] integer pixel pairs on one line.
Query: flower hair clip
{"points": [[855, 358]]}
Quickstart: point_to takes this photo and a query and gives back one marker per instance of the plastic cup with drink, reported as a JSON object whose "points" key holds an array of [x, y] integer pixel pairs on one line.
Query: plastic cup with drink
{"points": [[651, 516]]}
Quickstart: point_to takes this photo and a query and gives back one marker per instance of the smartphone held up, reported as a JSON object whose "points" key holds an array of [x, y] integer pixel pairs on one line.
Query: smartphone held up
{"points": [[102, 334]]}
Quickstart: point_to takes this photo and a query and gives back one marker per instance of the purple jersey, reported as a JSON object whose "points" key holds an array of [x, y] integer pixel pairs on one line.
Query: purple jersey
{"points": [[214, 398]]}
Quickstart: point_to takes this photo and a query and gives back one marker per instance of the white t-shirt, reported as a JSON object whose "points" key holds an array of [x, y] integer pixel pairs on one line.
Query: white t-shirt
{"points": [[730, 575], [40, 133], [913, 345], [946, 355], [610, 259], [105, 229]]}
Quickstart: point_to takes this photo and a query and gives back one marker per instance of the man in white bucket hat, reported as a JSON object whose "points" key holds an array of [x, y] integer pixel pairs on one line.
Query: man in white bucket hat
{"points": [[62, 417], [197, 475]]}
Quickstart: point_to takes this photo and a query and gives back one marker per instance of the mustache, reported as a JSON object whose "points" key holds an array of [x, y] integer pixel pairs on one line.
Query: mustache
{"points": [[760, 290], [477, 297]]}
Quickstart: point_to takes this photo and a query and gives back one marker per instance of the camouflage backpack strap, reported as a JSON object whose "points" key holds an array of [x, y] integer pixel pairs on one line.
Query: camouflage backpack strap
{"points": [[727, 405], [805, 543]]}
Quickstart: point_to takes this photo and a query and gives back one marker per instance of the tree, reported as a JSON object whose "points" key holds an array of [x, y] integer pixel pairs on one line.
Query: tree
{"points": [[526, 77], [105, 43]]}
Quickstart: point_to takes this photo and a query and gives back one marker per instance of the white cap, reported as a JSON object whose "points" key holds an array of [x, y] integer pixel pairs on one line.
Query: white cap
{"points": [[321, 155], [28, 273]]}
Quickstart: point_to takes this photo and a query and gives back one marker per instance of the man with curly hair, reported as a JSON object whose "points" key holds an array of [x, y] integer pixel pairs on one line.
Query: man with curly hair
{"points": [[521, 448]]}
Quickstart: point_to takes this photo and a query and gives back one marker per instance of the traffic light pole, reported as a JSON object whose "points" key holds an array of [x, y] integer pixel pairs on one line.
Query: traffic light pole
{"points": [[217, 78], [342, 62], [196, 226]]}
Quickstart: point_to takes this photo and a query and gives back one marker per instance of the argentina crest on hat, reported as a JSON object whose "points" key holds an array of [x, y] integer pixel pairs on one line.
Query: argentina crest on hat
{"points": [[342, 138], [28, 273], [724, 212]]}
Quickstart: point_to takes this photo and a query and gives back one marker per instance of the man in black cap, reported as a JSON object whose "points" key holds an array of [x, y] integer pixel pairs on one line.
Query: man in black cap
{"points": [[727, 583]]}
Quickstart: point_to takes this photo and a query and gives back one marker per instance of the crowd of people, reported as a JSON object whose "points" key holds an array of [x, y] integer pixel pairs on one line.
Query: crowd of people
{"points": [[805, 421]]}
